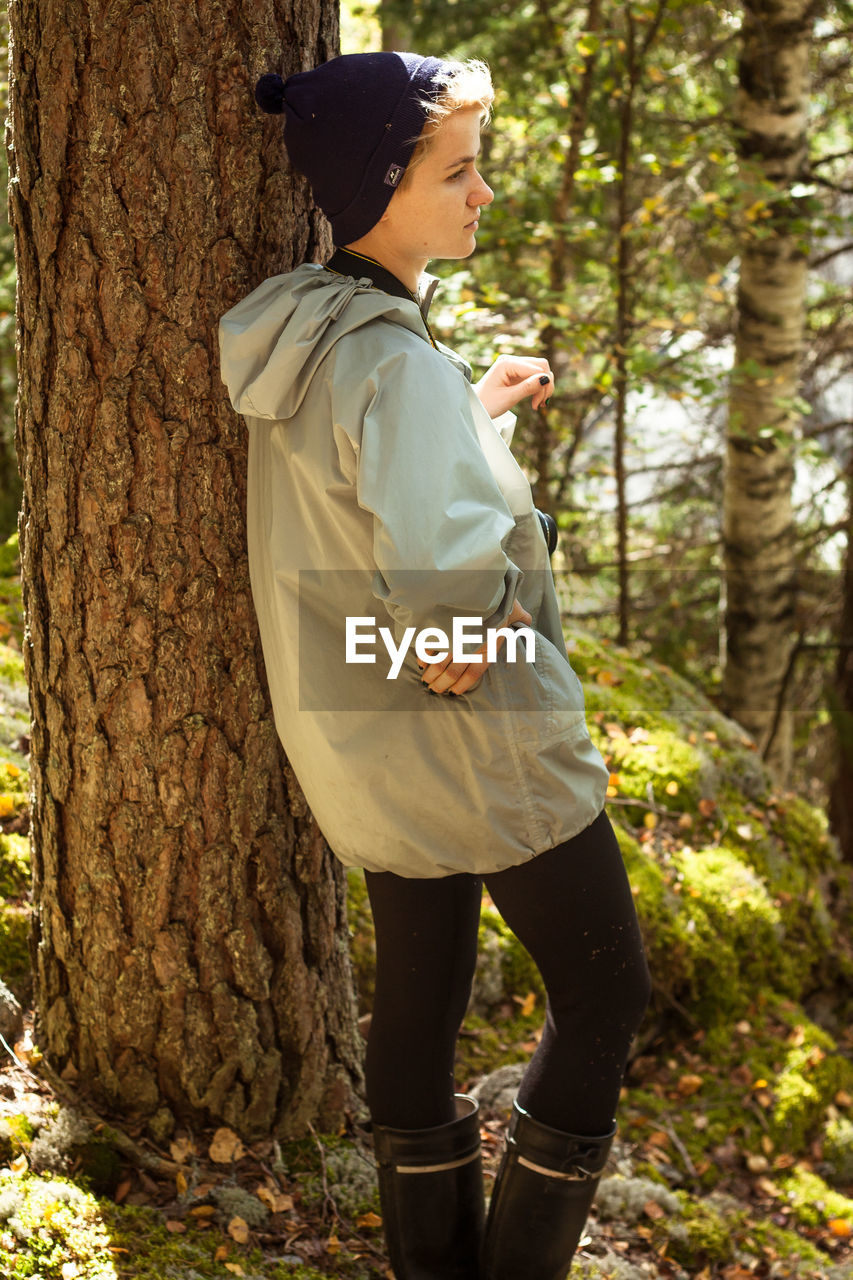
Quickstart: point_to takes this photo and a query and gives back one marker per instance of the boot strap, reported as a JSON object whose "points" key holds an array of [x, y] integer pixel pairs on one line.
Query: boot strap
{"points": [[575, 1174], [437, 1168]]}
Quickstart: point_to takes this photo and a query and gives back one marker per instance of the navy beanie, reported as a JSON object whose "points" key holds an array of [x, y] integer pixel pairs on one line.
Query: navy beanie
{"points": [[350, 127]]}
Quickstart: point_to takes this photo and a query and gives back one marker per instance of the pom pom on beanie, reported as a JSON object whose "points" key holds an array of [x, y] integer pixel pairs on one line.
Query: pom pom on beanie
{"points": [[269, 94]]}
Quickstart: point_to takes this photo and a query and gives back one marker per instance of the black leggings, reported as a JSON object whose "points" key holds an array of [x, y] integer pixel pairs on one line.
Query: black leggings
{"points": [[572, 909]]}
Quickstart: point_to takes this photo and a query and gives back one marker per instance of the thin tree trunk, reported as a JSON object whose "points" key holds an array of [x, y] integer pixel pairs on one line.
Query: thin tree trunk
{"points": [[758, 530], [190, 940], [558, 256], [841, 700], [396, 30]]}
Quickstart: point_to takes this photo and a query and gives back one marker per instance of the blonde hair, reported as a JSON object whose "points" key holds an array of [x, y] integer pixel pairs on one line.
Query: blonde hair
{"points": [[463, 84]]}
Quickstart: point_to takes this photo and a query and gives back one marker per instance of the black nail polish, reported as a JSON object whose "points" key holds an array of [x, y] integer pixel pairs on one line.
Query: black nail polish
{"points": [[544, 380]]}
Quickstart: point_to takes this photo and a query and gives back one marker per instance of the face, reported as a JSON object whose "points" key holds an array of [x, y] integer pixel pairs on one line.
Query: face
{"points": [[435, 215]]}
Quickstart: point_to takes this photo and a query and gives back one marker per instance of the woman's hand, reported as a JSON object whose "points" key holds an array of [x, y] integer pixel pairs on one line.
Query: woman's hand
{"points": [[447, 676], [514, 378]]}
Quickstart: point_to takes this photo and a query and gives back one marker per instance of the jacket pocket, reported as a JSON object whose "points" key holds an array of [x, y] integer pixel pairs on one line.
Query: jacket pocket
{"points": [[544, 697]]}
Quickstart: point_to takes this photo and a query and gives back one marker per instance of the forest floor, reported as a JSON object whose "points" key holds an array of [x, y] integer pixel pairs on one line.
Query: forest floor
{"points": [[703, 1184]]}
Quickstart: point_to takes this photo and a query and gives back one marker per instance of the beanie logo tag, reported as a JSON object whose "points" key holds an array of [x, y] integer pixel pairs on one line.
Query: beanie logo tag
{"points": [[394, 174]]}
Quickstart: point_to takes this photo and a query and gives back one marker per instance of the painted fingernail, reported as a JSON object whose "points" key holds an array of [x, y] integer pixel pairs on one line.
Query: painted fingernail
{"points": [[544, 380]]}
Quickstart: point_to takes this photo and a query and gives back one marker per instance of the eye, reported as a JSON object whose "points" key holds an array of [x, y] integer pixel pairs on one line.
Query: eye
{"points": [[460, 173]]}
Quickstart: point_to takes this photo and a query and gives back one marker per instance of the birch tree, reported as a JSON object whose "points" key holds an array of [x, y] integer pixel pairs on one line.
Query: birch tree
{"points": [[758, 525]]}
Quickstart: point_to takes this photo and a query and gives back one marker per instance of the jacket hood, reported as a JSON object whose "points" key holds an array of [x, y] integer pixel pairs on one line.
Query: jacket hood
{"points": [[271, 343]]}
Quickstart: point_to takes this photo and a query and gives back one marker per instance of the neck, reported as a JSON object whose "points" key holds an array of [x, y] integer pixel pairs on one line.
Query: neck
{"points": [[407, 270]]}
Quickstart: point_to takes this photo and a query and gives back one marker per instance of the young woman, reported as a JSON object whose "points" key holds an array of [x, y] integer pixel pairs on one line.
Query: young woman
{"points": [[384, 509]]}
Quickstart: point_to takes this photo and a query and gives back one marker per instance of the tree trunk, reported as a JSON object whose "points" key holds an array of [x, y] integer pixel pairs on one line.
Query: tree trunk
{"points": [[758, 530], [840, 699], [190, 937]]}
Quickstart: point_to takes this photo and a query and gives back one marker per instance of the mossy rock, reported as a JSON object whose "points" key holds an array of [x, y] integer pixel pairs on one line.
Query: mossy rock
{"points": [[54, 1222], [739, 888]]}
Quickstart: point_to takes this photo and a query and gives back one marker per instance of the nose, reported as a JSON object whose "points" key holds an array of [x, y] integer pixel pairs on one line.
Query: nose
{"points": [[482, 193]]}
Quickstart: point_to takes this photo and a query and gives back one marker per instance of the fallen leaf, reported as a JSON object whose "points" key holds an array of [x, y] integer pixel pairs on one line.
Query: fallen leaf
{"points": [[225, 1146], [653, 1210], [767, 1188], [689, 1084], [122, 1189], [202, 1211], [275, 1201], [757, 1164], [707, 806], [840, 1227], [234, 1268], [369, 1220], [180, 1148], [650, 821], [19, 1164], [238, 1229], [709, 735], [221, 1253], [672, 788], [177, 1228], [843, 1099], [181, 1183], [658, 1139], [333, 1245], [528, 1004], [607, 678]]}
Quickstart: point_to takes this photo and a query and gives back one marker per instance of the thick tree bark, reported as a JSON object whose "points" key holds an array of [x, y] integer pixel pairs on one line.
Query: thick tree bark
{"points": [[190, 938], [758, 530]]}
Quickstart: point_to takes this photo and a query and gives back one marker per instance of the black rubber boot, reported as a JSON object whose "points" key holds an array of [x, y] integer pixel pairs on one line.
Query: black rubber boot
{"points": [[431, 1191], [543, 1191]]}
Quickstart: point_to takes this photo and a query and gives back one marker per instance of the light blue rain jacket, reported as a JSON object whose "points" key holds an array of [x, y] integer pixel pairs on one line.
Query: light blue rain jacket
{"points": [[379, 489]]}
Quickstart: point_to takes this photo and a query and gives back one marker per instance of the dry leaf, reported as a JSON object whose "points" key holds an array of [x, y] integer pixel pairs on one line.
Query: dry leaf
{"points": [[843, 1099], [19, 1164], [181, 1183], [221, 1253], [528, 1004], [689, 1084], [177, 1228], [672, 788], [653, 1210], [757, 1164], [180, 1148], [238, 1229], [650, 821], [275, 1201], [234, 1268], [369, 1220], [707, 806], [840, 1227], [607, 678], [333, 1245], [225, 1147], [202, 1211], [767, 1188]]}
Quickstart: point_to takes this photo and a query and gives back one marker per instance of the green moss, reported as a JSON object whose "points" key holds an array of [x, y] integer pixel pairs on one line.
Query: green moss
{"points": [[812, 1201], [770, 1240], [703, 1234], [813, 1072], [10, 558], [14, 866], [15, 948], [362, 947]]}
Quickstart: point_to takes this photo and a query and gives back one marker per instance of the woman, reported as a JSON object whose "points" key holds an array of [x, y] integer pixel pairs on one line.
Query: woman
{"points": [[384, 503]]}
